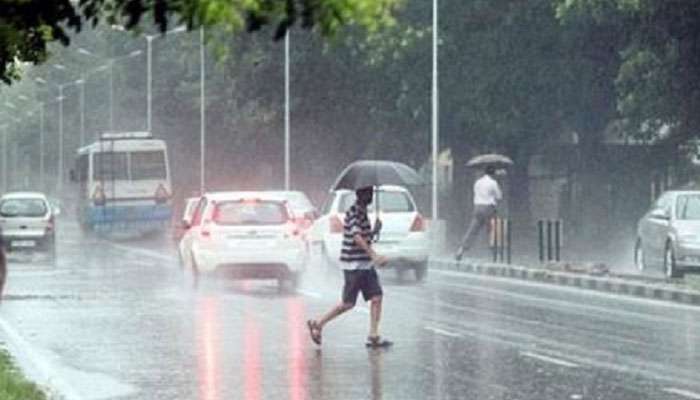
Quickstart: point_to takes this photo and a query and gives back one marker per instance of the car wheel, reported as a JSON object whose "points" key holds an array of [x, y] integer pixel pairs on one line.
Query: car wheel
{"points": [[670, 268], [421, 271], [639, 260]]}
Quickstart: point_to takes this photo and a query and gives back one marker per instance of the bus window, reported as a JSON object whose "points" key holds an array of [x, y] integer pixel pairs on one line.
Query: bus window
{"points": [[82, 168], [148, 165], [108, 166]]}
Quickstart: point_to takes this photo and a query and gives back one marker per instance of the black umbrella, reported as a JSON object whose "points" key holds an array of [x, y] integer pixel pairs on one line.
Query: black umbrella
{"points": [[497, 160], [373, 173], [368, 173]]}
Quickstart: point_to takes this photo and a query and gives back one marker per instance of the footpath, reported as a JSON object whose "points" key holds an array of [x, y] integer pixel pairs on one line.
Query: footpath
{"points": [[586, 276]]}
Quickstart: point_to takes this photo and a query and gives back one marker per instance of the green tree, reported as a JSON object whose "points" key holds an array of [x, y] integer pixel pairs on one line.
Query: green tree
{"points": [[28, 26]]}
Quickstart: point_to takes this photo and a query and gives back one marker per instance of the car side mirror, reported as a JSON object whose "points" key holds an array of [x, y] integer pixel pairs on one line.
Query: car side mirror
{"points": [[660, 214]]}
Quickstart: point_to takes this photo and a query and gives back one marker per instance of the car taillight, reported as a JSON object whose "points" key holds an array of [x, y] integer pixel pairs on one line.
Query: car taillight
{"points": [[336, 224], [161, 194], [205, 232], [418, 224], [98, 196], [50, 225]]}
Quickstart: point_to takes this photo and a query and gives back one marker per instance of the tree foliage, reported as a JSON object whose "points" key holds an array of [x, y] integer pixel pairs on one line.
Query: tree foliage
{"points": [[28, 26]]}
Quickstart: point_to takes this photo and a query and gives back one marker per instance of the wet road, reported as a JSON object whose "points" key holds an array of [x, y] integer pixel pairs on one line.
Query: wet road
{"points": [[120, 321]]}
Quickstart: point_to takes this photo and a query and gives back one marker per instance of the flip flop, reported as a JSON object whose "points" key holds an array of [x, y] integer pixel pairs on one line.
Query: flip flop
{"points": [[314, 331], [375, 342]]}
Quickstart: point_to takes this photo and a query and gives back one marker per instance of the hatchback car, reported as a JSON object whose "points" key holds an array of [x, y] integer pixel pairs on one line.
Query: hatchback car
{"points": [[27, 221], [403, 237], [669, 234], [246, 235]]}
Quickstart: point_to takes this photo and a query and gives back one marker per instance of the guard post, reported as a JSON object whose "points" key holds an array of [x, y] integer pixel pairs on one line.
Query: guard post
{"points": [[500, 239], [550, 239]]}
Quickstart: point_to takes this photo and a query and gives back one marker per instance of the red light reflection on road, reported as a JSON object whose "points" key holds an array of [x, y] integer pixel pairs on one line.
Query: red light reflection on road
{"points": [[296, 368], [251, 359], [208, 349]]}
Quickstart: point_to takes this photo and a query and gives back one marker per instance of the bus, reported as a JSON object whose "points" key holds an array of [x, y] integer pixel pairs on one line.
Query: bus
{"points": [[124, 184]]}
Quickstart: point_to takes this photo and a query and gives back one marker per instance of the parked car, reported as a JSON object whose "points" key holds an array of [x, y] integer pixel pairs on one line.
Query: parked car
{"points": [[403, 238], [27, 220], [246, 235], [669, 234], [180, 226]]}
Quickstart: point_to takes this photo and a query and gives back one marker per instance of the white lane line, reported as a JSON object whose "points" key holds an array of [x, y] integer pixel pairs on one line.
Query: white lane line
{"points": [[309, 293], [683, 393], [548, 359], [442, 332], [144, 252], [37, 367]]}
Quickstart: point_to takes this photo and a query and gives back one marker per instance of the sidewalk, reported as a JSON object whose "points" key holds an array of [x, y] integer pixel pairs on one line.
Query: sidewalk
{"points": [[594, 278]]}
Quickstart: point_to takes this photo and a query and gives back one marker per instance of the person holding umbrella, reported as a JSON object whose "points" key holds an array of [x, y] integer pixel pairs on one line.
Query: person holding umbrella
{"points": [[487, 194], [358, 258]]}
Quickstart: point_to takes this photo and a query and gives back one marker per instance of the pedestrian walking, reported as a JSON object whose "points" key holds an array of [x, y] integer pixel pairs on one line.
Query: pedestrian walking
{"points": [[487, 194], [358, 261]]}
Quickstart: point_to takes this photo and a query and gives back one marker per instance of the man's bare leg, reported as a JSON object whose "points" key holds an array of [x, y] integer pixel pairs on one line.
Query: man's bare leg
{"points": [[333, 313], [375, 314]]}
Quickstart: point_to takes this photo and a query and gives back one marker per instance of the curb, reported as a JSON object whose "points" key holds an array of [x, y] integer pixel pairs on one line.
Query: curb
{"points": [[589, 282]]}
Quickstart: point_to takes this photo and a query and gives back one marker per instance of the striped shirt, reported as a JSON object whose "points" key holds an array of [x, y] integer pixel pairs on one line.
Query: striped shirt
{"points": [[356, 222]]}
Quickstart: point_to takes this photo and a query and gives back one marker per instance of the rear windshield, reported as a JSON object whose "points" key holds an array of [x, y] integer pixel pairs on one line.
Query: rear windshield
{"points": [[388, 202], [23, 208], [688, 207], [250, 213], [148, 165]]}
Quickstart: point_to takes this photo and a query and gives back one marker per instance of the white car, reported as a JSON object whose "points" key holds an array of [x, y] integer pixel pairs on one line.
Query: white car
{"points": [[403, 238], [27, 220], [247, 235]]}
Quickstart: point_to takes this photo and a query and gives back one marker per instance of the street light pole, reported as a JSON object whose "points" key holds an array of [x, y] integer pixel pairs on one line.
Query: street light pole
{"points": [[4, 158], [202, 112], [287, 151], [149, 81], [41, 145], [59, 184], [435, 126], [81, 82], [111, 94]]}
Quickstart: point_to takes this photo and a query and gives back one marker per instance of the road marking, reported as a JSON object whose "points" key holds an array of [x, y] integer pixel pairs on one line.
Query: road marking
{"points": [[548, 359], [683, 393], [145, 252], [309, 293], [442, 332]]}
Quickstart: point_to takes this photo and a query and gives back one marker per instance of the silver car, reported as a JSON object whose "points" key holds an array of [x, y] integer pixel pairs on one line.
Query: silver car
{"points": [[669, 234], [27, 220]]}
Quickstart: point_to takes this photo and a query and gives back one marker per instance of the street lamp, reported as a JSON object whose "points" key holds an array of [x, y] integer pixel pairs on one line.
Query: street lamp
{"points": [[149, 68], [110, 65], [202, 112], [434, 111], [286, 113]]}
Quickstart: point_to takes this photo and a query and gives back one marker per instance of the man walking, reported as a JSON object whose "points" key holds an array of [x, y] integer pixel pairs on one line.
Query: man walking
{"points": [[358, 261], [487, 194]]}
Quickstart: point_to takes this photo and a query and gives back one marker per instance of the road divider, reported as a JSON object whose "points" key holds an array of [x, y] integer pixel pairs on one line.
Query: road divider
{"points": [[605, 283]]}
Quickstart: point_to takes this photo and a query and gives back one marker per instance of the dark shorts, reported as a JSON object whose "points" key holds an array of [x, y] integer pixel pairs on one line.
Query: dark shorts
{"points": [[361, 280]]}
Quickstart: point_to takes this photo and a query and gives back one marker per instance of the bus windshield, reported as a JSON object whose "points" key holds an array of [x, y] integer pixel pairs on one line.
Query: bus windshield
{"points": [[113, 165], [135, 166], [148, 165]]}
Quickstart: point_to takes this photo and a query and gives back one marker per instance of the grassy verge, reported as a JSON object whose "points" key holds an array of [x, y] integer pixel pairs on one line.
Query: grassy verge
{"points": [[13, 386]]}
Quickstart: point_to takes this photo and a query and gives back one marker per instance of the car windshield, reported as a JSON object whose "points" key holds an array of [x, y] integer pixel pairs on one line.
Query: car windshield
{"points": [[23, 208], [688, 207], [250, 213], [388, 202]]}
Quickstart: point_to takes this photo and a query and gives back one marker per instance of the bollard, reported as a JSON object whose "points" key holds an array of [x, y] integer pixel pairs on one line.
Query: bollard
{"points": [[500, 239], [550, 239]]}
